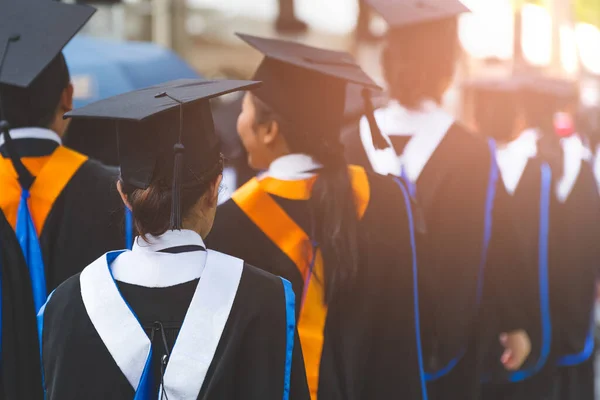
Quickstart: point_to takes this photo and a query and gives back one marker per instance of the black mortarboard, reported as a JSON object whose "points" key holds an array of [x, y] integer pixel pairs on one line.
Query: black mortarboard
{"points": [[41, 29], [405, 13], [32, 36], [155, 125], [307, 86]]}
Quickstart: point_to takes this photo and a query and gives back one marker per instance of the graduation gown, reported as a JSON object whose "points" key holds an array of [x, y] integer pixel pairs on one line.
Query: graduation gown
{"points": [[77, 216], [529, 180], [468, 253], [77, 221], [365, 344], [20, 376], [577, 254], [171, 319]]}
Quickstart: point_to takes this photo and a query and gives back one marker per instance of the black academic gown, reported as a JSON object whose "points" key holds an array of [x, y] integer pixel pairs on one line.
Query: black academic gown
{"points": [[532, 207], [577, 255], [370, 350], [469, 294], [85, 221], [249, 362], [20, 376]]}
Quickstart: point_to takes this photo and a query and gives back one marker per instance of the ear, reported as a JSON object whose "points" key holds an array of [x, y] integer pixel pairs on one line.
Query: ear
{"points": [[123, 196], [66, 99], [271, 133], [214, 189]]}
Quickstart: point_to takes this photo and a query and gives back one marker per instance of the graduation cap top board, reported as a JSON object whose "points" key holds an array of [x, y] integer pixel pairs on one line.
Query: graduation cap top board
{"points": [[32, 36], [167, 127], [33, 33], [307, 87], [405, 13]]}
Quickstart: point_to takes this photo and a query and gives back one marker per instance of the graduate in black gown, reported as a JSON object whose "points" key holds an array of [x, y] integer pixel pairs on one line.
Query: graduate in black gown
{"points": [[343, 237], [557, 212], [578, 253], [469, 266], [58, 202], [171, 319], [21, 373], [529, 181]]}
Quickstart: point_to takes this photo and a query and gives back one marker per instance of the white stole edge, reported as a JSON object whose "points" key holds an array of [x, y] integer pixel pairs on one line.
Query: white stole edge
{"points": [[574, 153], [114, 322], [513, 158], [203, 326]]}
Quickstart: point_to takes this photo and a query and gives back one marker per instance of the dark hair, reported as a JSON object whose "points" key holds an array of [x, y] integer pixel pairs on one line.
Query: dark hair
{"points": [[539, 109], [334, 220], [495, 113], [417, 60], [151, 207], [36, 105]]}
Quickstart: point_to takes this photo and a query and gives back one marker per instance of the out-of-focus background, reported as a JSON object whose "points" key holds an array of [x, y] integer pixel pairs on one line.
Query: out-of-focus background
{"points": [[130, 44], [189, 37]]}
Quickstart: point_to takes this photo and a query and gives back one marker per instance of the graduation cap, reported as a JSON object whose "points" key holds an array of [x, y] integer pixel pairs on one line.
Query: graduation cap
{"points": [[32, 36], [162, 127], [405, 13], [307, 87], [528, 82]]}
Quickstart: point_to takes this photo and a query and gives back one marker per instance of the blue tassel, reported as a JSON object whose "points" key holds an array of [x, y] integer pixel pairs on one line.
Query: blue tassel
{"points": [[27, 236]]}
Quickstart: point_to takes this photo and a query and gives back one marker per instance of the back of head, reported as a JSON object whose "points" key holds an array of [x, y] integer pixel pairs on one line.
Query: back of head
{"points": [[419, 61], [496, 113], [539, 110], [36, 105], [334, 220]]}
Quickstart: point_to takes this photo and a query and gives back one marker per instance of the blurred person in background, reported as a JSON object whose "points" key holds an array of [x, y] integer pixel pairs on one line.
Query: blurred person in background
{"points": [[468, 254], [171, 319], [62, 206], [546, 168], [343, 237], [528, 179]]}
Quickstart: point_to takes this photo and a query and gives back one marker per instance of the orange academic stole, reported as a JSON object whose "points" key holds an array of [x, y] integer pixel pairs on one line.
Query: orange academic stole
{"points": [[52, 173], [255, 201]]}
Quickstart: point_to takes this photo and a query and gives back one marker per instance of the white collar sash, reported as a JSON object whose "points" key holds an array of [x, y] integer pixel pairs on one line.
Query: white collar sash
{"points": [[575, 152], [293, 167], [147, 266], [32, 133], [427, 127], [513, 157], [198, 338]]}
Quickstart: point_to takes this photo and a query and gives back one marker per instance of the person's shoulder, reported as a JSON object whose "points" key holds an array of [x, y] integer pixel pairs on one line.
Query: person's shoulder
{"points": [[268, 290], [460, 133], [64, 295], [262, 279]]}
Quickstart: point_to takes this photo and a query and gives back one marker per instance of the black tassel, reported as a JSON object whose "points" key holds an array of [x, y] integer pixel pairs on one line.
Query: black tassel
{"points": [[24, 176], [379, 141], [176, 196]]}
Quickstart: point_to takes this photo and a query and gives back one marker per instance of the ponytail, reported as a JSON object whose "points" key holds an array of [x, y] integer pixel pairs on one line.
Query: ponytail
{"points": [[334, 219]]}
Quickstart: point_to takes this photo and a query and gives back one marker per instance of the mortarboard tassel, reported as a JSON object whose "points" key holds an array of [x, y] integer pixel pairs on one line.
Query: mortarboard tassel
{"points": [[25, 177], [176, 196], [179, 150], [379, 141]]}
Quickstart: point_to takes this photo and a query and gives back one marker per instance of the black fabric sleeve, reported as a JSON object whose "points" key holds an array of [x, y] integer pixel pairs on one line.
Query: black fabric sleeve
{"points": [[508, 298], [393, 364], [261, 362]]}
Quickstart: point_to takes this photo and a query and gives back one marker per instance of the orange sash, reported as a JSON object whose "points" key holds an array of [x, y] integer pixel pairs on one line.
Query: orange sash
{"points": [[254, 200], [52, 175]]}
